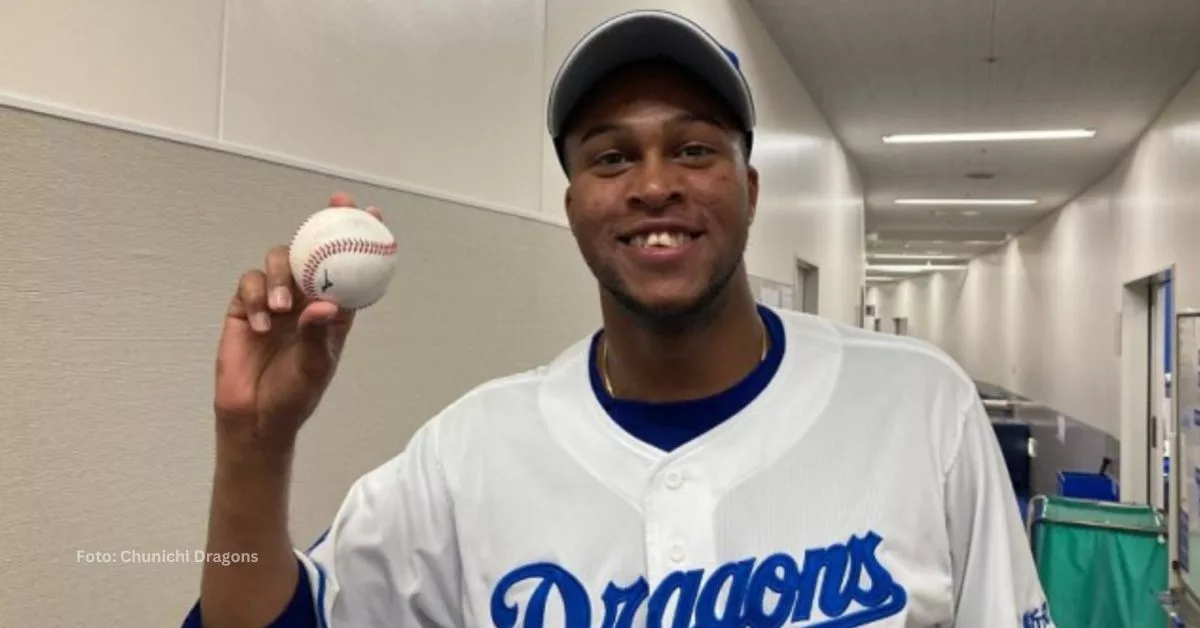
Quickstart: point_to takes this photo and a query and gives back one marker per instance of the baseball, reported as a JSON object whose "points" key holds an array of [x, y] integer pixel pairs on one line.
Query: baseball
{"points": [[343, 255]]}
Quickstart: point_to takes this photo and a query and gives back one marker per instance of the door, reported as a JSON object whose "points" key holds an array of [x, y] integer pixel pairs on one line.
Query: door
{"points": [[808, 287], [1160, 411]]}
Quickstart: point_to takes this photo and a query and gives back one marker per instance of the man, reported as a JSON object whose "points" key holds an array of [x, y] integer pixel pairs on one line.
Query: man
{"points": [[699, 461]]}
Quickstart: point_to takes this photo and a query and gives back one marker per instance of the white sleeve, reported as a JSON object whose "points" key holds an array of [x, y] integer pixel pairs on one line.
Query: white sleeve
{"points": [[995, 579], [390, 557]]}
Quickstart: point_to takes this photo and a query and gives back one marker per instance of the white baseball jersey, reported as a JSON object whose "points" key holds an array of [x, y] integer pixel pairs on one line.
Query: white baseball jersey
{"points": [[863, 486]]}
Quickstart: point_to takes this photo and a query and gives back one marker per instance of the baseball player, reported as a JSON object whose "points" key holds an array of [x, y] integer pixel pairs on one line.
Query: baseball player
{"points": [[700, 460]]}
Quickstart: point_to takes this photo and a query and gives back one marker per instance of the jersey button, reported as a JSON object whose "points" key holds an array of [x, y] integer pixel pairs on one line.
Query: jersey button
{"points": [[674, 480], [677, 553]]}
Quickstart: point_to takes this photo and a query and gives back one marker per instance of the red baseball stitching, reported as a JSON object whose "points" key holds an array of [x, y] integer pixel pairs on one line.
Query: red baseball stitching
{"points": [[334, 247]]}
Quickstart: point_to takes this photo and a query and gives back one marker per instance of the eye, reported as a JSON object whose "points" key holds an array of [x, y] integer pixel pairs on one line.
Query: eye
{"points": [[695, 151], [610, 158], [611, 162]]}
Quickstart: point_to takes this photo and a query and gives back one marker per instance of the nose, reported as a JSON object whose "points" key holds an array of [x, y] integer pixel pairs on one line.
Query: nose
{"points": [[656, 185]]}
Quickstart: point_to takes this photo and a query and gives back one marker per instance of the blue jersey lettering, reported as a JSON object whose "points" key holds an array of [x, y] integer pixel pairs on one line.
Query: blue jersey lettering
{"points": [[1037, 618], [845, 582]]}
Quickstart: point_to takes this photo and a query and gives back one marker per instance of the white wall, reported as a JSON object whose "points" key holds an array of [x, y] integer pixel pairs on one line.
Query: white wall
{"points": [[919, 300], [156, 63], [445, 95], [1037, 315], [1040, 315], [440, 97], [431, 108]]}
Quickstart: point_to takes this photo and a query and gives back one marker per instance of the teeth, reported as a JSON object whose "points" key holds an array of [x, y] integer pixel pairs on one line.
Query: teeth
{"points": [[662, 238]]}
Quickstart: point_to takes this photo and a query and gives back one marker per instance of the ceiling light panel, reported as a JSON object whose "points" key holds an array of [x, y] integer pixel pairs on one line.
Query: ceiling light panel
{"points": [[967, 201], [990, 136], [911, 256], [912, 268]]}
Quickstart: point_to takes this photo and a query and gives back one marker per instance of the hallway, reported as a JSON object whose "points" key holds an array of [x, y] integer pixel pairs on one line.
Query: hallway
{"points": [[1013, 183]]}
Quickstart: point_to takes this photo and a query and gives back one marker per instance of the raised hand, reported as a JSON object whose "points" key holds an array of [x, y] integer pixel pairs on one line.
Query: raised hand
{"points": [[278, 352]]}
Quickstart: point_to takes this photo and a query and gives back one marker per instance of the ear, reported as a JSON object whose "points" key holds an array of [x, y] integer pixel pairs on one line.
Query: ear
{"points": [[752, 191], [568, 205]]}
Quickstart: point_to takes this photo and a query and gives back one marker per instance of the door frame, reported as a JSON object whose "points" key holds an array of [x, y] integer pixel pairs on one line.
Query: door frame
{"points": [[1136, 346]]}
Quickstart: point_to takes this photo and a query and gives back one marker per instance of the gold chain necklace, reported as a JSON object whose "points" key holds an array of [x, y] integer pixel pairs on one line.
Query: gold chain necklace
{"points": [[604, 360]]}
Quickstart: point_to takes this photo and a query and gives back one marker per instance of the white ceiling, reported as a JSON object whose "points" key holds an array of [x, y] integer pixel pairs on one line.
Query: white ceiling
{"points": [[878, 67]]}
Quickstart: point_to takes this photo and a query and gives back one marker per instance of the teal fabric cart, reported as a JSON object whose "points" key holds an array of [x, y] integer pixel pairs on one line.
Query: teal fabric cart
{"points": [[1103, 564]]}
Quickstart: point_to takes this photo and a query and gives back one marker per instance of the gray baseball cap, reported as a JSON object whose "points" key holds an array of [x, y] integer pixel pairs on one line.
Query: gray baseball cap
{"points": [[646, 35]]}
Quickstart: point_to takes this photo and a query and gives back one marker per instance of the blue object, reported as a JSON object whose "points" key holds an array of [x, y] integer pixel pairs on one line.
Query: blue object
{"points": [[1168, 321], [1023, 506], [1081, 485], [300, 611], [1014, 445], [669, 425]]}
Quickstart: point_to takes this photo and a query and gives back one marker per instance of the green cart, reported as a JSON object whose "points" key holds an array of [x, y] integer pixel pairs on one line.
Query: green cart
{"points": [[1103, 564]]}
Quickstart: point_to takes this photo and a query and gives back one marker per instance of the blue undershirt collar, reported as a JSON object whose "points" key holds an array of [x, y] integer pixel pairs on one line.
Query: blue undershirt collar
{"points": [[670, 425]]}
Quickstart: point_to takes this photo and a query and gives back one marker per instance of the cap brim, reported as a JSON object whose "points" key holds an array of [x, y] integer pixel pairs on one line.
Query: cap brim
{"points": [[646, 35]]}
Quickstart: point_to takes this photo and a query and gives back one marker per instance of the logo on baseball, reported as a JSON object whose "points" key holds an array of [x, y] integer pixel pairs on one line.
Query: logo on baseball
{"points": [[343, 255]]}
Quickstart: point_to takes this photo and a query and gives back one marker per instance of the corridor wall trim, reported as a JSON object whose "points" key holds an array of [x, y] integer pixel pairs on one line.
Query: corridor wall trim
{"points": [[16, 101]]}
